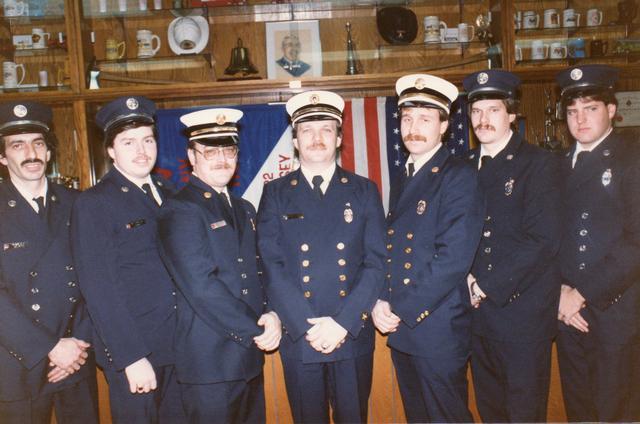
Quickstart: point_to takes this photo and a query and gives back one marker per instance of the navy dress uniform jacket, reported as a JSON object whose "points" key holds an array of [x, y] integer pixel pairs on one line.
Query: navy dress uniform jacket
{"points": [[516, 261], [129, 293], [600, 253], [220, 299], [433, 231], [40, 301], [322, 257]]}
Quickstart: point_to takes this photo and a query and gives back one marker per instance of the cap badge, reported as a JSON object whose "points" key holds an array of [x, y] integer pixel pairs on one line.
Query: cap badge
{"points": [[206, 195], [576, 74], [132, 103], [606, 177], [419, 84], [483, 78], [221, 119], [348, 215], [20, 111], [314, 99], [508, 187], [422, 206]]}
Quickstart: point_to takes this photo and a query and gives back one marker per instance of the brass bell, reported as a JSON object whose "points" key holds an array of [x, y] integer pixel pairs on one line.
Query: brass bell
{"points": [[240, 61]]}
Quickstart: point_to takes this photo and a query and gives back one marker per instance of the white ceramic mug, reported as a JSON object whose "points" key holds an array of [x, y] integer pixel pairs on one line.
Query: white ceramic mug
{"points": [[39, 38], [433, 27], [145, 39], [122, 5], [466, 32], [570, 18], [594, 17], [43, 78], [557, 50], [539, 50], [14, 8], [10, 74], [142, 5], [518, 52], [157, 4], [551, 18], [187, 33], [517, 19], [530, 20]]}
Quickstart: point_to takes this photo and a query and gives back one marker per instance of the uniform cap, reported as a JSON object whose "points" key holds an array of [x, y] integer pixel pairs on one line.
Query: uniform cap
{"points": [[491, 84], [424, 90], [587, 77], [315, 105], [126, 110], [19, 117], [213, 127]]}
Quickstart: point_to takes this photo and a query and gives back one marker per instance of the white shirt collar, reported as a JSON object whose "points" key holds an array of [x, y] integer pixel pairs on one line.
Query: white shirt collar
{"points": [[28, 196], [581, 148], [147, 180], [326, 175], [424, 158]]}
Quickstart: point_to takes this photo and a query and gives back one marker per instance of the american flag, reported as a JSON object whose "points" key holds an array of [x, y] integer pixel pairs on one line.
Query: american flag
{"points": [[371, 146]]}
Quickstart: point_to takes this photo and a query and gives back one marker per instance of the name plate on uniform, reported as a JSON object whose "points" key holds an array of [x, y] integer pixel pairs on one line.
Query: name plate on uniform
{"points": [[293, 216], [136, 223], [14, 245], [218, 224]]}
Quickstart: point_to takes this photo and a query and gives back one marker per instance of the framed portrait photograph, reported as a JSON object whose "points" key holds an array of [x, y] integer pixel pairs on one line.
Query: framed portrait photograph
{"points": [[293, 49]]}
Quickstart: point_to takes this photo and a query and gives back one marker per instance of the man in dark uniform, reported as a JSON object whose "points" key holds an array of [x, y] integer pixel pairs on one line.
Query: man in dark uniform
{"points": [[514, 282], [129, 293], [433, 230], [208, 240], [599, 342], [290, 60], [44, 328], [321, 237]]}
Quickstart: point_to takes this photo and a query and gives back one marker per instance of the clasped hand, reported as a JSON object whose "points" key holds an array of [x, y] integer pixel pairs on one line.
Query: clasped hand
{"points": [[326, 335]]}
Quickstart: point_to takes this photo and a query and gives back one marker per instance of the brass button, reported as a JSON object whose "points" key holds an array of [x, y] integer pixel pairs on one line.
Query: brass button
{"points": [[487, 250], [342, 277], [388, 276], [364, 316], [407, 250], [340, 246], [422, 315], [388, 260], [582, 266], [487, 233], [426, 313], [390, 231], [342, 262], [68, 268], [583, 232], [418, 319], [245, 291], [71, 284], [582, 248], [343, 293], [307, 294], [389, 246], [489, 267], [304, 247], [243, 276], [406, 281], [306, 279], [73, 299], [584, 215], [35, 307], [33, 274], [305, 263], [410, 236], [35, 290], [240, 260], [407, 265]]}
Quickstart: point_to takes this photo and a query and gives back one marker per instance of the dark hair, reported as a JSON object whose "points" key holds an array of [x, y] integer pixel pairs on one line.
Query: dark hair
{"points": [[442, 114], [606, 96], [110, 136], [512, 105]]}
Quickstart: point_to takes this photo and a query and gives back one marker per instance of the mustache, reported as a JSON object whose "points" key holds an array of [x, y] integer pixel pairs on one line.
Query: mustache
{"points": [[315, 146], [484, 127], [28, 161], [221, 165], [414, 137]]}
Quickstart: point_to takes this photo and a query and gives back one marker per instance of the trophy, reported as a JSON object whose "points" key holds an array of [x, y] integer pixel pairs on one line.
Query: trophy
{"points": [[352, 61]]}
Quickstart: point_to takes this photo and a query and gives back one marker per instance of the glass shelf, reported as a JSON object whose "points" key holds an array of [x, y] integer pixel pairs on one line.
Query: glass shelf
{"points": [[31, 88], [571, 30]]}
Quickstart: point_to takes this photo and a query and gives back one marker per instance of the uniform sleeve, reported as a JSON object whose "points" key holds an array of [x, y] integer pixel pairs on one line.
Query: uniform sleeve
{"points": [[370, 277], [536, 241], [284, 295], [20, 335], [457, 236], [95, 256], [185, 248], [619, 269]]}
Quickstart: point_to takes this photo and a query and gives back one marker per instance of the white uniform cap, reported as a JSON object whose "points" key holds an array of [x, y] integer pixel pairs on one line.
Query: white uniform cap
{"points": [[424, 90], [315, 105], [218, 126]]}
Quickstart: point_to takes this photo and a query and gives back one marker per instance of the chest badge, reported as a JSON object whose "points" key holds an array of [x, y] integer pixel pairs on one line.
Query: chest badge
{"points": [[348, 215], [253, 224], [606, 177], [422, 206], [508, 187]]}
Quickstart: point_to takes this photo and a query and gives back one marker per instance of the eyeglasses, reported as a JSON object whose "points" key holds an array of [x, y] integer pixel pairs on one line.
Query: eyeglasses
{"points": [[210, 153]]}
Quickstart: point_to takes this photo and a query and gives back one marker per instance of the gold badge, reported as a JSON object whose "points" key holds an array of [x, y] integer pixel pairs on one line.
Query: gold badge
{"points": [[221, 119], [422, 206], [419, 84], [344, 180], [124, 189], [207, 195], [314, 99], [294, 182], [11, 203], [435, 169], [508, 187], [348, 215]]}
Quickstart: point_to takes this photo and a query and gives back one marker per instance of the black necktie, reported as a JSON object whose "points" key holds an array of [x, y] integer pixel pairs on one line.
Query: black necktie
{"points": [[147, 190], [226, 206], [580, 158], [317, 181], [484, 160], [40, 201], [411, 169]]}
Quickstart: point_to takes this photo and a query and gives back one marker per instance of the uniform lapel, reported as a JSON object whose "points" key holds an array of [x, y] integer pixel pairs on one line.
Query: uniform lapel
{"points": [[501, 165], [422, 184], [592, 164]]}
